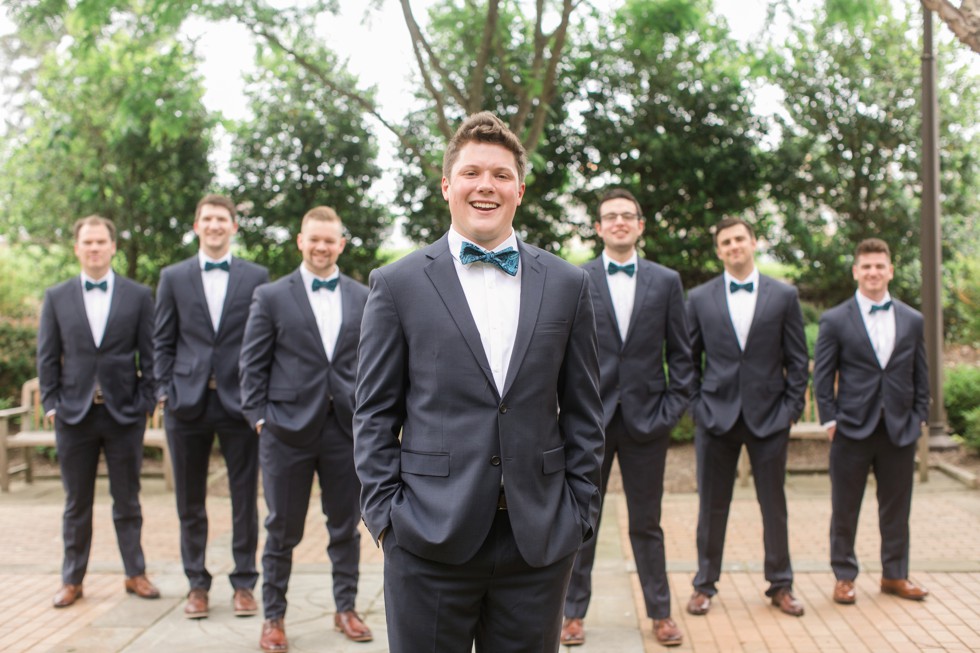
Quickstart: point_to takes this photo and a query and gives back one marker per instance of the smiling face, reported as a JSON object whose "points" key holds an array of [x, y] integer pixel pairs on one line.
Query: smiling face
{"points": [[873, 271], [321, 242], [735, 246], [619, 226], [95, 248], [214, 227], [483, 191]]}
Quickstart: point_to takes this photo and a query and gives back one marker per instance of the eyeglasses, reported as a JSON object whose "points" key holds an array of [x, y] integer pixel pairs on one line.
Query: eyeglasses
{"points": [[612, 217]]}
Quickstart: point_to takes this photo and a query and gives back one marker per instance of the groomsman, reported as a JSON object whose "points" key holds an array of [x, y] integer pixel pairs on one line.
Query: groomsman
{"points": [[645, 373], [202, 305], [478, 431], [95, 367], [297, 374], [873, 347], [748, 391]]}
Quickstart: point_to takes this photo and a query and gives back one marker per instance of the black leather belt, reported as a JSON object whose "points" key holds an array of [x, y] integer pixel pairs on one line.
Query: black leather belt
{"points": [[98, 397], [502, 500]]}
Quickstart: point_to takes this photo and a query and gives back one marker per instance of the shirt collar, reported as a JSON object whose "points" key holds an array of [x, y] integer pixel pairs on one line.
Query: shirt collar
{"points": [[308, 276], [456, 241], [202, 259], [108, 278], [865, 303], [634, 260], [753, 278]]}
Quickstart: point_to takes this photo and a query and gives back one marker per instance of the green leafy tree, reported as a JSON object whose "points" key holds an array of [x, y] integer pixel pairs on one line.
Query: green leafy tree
{"points": [[848, 165], [114, 126], [668, 115], [305, 146]]}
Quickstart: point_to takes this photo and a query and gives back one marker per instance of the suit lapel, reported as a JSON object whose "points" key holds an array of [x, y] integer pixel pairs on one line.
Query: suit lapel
{"points": [[598, 274], [118, 296], [857, 325], [195, 281], [305, 309], [234, 278], [901, 326], [644, 282], [77, 299], [532, 289], [721, 306], [349, 316], [761, 301], [442, 273]]}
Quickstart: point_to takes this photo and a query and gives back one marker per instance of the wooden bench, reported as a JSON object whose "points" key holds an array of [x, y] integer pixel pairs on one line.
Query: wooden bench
{"points": [[34, 433]]}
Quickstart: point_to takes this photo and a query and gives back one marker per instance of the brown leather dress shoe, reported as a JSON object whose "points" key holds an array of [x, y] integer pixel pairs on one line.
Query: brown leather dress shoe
{"points": [[348, 623], [903, 588], [197, 604], [786, 602], [699, 604], [667, 632], [67, 595], [244, 603], [572, 632], [844, 592], [142, 587], [273, 639]]}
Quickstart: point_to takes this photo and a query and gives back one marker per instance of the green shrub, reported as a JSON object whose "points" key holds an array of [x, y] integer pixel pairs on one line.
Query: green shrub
{"points": [[971, 432], [18, 347], [961, 393]]}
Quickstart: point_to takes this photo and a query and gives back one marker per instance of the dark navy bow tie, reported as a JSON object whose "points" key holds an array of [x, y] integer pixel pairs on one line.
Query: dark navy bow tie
{"points": [[329, 284], [505, 259], [223, 265], [734, 287], [629, 269], [881, 307], [101, 285]]}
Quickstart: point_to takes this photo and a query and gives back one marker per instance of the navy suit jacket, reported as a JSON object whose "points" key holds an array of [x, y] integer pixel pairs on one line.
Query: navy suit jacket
{"points": [[864, 391], [186, 348], [286, 377], [69, 363], [423, 373], [631, 373], [767, 382]]}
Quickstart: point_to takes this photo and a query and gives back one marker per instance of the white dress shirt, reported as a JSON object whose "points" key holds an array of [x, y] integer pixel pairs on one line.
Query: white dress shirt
{"points": [[622, 290], [880, 326], [97, 305], [215, 287], [328, 308], [494, 298], [741, 305]]}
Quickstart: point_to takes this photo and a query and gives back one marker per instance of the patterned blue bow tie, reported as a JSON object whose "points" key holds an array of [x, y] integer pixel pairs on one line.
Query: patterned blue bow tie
{"points": [[735, 287], [329, 284], [208, 266], [629, 268], [505, 259], [881, 307], [101, 285]]}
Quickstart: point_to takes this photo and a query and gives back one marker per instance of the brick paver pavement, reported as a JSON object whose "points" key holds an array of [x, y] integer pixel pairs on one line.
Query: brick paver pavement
{"points": [[945, 558]]}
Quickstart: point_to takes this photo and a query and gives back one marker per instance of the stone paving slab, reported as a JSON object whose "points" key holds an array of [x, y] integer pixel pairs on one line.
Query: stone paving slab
{"points": [[945, 558]]}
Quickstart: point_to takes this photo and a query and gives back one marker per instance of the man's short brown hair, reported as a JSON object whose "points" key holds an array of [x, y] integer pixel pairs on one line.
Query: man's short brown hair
{"points": [[484, 127], [872, 246], [322, 214], [217, 200], [94, 221], [619, 194], [730, 221]]}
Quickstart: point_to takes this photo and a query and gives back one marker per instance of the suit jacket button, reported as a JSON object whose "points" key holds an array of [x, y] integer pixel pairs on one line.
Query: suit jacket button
{"points": [[503, 408], [495, 461]]}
